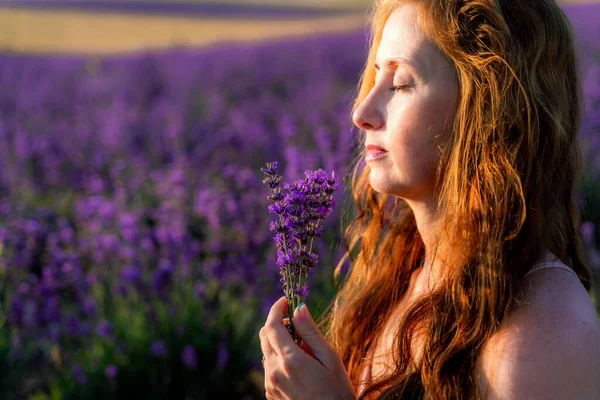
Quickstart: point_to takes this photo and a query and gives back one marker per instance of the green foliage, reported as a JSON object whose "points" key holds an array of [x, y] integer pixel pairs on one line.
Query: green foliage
{"points": [[186, 321]]}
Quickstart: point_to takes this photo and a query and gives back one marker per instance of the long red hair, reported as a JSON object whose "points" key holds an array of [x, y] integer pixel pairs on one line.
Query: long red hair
{"points": [[505, 195]]}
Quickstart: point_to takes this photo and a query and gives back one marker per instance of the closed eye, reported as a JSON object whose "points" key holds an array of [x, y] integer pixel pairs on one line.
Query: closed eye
{"points": [[399, 88]]}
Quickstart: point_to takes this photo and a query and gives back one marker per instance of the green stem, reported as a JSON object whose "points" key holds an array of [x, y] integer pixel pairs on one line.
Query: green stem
{"points": [[312, 239], [287, 270]]}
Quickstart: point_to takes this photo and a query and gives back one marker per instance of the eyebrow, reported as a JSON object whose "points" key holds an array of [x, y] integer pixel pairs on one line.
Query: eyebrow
{"points": [[393, 62]]}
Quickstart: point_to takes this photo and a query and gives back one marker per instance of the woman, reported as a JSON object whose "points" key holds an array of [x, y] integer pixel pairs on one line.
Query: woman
{"points": [[469, 279]]}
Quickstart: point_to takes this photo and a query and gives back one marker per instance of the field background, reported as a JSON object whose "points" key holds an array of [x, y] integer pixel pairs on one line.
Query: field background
{"points": [[121, 26], [135, 255]]}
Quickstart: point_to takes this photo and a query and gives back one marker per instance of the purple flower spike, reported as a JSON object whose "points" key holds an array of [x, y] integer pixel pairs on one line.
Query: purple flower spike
{"points": [[271, 168], [299, 209], [162, 276], [111, 372], [89, 306], [587, 232], [104, 329], [304, 291], [158, 348], [188, 355], [222, 356], [78, 374], [132, 273]]}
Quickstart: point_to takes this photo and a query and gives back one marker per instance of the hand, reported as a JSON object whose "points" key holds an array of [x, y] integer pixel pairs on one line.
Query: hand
{"points": [[292, 372]]}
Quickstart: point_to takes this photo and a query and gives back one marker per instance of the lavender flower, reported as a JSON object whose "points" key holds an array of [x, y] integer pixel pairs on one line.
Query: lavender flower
{"points": [[111, 371], [299, 208], [104, 329], [132, 273], [188, 355], [89, 306], [587, 232], [78, 374], [222, 355], [163, 276], [158, 348]]}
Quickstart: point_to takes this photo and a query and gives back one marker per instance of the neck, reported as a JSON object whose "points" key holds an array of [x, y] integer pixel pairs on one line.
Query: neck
{"points": [[428, 223]]}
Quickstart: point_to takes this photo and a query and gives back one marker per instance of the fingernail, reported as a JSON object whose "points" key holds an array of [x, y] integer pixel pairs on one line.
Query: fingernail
{"points": [[299, 308]]}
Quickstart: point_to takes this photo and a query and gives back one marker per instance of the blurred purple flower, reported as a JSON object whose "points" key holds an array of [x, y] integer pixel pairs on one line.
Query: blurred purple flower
{"points": [[587, 233], [111, 371], [222, 355], [85, 328], [158, 348], [104, 329], [72, 325], [128, 226], [106, 210], [91, 278], [17, 311], [189, 357], [162, 276], [15, 342], [199, 289], [120, 289], [89, 306], [96, 185], [52, 309], [128, 252], [54, 332], [132, 274], [78, 374], [147, 244], [108, 242]]}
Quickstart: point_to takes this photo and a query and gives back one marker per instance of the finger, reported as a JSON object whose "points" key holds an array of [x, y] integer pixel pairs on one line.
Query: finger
{"points": [[307, 350], [313, 338], [277, 334], [277, 312], [280, 339], [265, 345], [303, 345]]}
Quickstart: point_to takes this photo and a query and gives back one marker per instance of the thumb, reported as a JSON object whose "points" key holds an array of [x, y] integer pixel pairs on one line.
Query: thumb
{"points": [[312, 337]]}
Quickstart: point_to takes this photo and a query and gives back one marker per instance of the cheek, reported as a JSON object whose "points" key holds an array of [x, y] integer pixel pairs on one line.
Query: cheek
{"points": [[438, 114], [414, 135], [419, 130]]}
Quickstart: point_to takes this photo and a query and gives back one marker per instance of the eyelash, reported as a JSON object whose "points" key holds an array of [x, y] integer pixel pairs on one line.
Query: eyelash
{"points": [[398, 88]]}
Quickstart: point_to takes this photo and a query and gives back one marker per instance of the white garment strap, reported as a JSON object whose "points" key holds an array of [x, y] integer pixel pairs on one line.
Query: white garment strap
{"points": [[551, 264]]}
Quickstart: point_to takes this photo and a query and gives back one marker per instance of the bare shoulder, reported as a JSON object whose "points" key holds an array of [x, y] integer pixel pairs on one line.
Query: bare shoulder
{"points": [[549, 347]]}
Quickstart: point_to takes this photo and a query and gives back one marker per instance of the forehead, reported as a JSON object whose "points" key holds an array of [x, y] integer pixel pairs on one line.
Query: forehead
{"points": [[403, 37]]}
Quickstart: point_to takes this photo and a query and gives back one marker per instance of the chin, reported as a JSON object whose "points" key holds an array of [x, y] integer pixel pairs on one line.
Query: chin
{"points": [[386, 186], [402, 190]]}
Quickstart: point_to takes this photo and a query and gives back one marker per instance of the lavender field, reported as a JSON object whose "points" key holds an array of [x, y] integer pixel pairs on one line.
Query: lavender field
{"points": [[135, 254]]}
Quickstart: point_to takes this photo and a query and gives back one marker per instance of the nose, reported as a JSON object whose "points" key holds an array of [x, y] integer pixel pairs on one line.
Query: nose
{"points": [[368, 117]]}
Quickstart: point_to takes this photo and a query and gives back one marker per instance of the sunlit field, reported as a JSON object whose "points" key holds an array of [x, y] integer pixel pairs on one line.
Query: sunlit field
{"points": [[113, 29], [136, 259]]}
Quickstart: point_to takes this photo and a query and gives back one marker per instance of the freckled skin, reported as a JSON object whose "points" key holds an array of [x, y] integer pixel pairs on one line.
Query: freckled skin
{"points": [[414, 121]]}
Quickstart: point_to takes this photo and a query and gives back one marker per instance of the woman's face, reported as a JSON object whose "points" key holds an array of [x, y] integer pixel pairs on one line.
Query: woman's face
{"points": [[410, 110]]}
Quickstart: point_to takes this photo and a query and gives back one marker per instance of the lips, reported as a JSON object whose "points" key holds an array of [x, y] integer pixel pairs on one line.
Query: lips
{"points": [[373, 148], [375, 152]]}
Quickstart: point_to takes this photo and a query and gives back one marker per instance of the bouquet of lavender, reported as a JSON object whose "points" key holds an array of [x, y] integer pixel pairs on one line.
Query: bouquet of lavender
{"points": [[299, 208]]}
